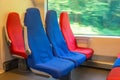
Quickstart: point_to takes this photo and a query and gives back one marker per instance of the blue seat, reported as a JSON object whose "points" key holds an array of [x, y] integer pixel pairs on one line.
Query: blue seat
{"points": [[57, 40], [117, 63], [41, 57]]}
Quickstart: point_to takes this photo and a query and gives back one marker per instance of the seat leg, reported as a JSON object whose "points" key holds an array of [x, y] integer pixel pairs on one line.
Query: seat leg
{"points": [[22, 65], [67, 77]]}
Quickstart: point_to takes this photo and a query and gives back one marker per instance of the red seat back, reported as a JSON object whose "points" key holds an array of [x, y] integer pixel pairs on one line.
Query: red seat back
{"points": [[66, 30], [14, 30], [69, 37]]}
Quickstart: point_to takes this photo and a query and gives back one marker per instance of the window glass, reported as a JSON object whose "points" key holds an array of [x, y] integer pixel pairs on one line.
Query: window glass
{"points": [[90, 17]]}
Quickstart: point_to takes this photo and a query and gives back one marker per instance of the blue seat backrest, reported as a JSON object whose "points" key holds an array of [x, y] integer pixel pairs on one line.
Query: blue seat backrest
{"points": [[54, 34], [37, 39]]}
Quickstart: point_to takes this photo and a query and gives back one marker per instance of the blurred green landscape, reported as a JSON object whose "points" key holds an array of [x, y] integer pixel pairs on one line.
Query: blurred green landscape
{"points": [[91, 17]]}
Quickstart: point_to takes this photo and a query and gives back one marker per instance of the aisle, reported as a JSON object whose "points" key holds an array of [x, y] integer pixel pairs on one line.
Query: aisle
{"points": [[80, 73]]}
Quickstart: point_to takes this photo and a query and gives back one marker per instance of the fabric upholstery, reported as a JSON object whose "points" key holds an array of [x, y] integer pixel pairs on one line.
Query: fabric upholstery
{"points": [[114, 74], [58, 43], [14, 31], [117, 63], [41, 57], [69, 37]]}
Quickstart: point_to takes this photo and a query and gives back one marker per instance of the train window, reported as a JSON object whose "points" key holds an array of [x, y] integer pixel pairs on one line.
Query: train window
{"points": [[90, 17]]}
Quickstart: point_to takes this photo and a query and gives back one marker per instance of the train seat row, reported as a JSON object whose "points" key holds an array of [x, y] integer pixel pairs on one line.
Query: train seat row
{"points": [[47, 51], [52, 51]]}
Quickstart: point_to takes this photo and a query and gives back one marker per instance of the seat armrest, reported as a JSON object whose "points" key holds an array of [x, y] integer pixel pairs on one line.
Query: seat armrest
{"points": [[28, 51], [7, 37]]}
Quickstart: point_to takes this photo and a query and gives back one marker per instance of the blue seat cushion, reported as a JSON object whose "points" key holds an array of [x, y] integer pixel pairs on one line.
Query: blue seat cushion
{"points": [[75, 57], [56, 67]]}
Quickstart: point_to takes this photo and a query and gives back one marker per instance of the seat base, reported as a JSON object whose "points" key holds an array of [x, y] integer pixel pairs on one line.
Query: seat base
{"points": [[67, 77], [22, 65]]}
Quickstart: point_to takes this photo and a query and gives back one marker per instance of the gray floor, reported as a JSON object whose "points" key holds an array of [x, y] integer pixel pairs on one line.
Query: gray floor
{"points": [[80, 73]]}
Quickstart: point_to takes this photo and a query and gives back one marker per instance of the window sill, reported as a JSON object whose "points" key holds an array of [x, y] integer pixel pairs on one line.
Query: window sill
{"points": [[91, 36]]}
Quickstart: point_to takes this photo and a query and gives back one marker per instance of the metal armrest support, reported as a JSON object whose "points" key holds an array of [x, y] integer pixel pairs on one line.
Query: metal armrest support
{"points": [[41, 73], [26, 41], [7, 37]]}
